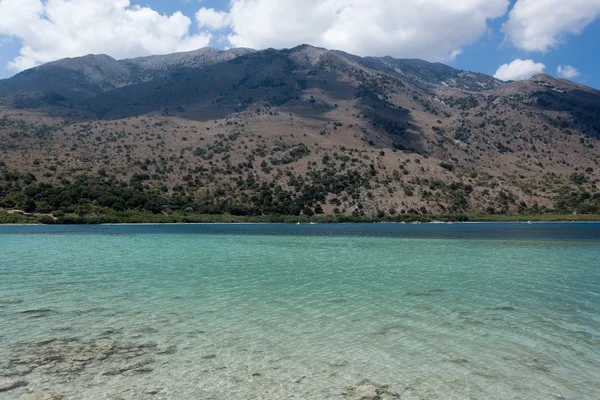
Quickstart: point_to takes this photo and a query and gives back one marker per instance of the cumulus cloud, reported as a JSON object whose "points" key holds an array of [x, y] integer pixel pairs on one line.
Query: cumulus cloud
{"points": [[208, 18], [566, 71], [539, 25], [519, 70], [56, 29], [430, 29]]}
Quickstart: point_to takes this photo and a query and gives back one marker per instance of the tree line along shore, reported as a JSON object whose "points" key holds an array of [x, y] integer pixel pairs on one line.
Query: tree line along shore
{"points": [[97, 199], [147, 217]]}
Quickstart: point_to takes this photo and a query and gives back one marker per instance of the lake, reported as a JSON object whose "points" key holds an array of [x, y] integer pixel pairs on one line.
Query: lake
{"points": [[343, 311]]}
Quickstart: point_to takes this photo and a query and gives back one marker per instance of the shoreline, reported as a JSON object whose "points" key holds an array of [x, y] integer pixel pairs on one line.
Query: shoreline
{"points": [[288, 223], [224, 219]]}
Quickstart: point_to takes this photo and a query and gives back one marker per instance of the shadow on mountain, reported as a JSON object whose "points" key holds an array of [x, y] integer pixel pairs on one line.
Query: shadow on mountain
{"points": [[264, 79], [583, 106], [306, 81]]}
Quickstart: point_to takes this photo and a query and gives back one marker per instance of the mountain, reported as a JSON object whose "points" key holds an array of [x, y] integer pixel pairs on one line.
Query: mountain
{"points": [[294, 131], [74, 79], [147, 68]]}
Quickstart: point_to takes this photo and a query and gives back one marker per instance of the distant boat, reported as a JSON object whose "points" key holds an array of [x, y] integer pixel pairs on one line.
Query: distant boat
{"points": [[298, 223], [312, 223]]}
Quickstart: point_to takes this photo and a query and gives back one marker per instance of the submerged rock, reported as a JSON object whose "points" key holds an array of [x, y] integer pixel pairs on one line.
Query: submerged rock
{"points": [[48, 396], [389, 329], [169, 350], [504, 308], [39, 313], [111, 331], [429, 292], [10, 384], [42, 342], [338, 364], [11, 301], [418, 294], [457, 360], [537, 366], [16, 370], [68, 357], [139, 366], [366, 392]]}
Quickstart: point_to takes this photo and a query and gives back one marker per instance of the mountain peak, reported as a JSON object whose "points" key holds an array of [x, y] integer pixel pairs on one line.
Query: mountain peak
{"points": [[542, 77], [150, 67], [79, 62], [353, 134], [305, 47]]}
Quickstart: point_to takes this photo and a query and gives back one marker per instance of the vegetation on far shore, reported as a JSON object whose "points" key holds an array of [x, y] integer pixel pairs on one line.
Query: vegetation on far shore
{"points": [[98, 200], [137, 217]]}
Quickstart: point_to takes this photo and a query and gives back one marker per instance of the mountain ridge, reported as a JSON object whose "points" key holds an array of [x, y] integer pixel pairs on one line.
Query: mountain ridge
{"points": [[324, 130], [149, 67]]}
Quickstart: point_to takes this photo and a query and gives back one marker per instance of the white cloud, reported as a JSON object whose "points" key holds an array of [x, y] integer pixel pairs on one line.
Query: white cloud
{"points": [[65, 28], [430, 29], [539, 25], [213, 20], [566, 71], [519, 70]]}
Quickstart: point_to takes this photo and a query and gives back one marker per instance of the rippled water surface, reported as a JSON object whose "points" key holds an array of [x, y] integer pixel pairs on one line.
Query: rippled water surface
{"points": [[464, 311]]}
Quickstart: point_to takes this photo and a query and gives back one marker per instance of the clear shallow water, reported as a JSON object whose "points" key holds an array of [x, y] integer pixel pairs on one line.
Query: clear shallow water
{"points": [[465, 311]]}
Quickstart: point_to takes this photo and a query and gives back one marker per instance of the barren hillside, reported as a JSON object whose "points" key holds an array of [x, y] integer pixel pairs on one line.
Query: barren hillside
{"points": [[305, 130]]}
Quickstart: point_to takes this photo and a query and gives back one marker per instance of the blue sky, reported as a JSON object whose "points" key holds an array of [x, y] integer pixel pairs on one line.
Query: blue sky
{"points": [[580, 51], [467, 35]]}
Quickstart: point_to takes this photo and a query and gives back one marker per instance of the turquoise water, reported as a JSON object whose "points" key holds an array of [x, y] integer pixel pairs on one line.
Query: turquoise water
{"points": [[468, 311]]}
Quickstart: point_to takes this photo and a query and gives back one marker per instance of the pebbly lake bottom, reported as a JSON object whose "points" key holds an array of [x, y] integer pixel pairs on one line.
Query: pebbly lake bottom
{"points": [[473, 311]]}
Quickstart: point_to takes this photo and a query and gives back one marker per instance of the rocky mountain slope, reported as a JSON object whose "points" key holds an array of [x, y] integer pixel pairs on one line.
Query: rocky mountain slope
{"points": [[293, 131]]}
